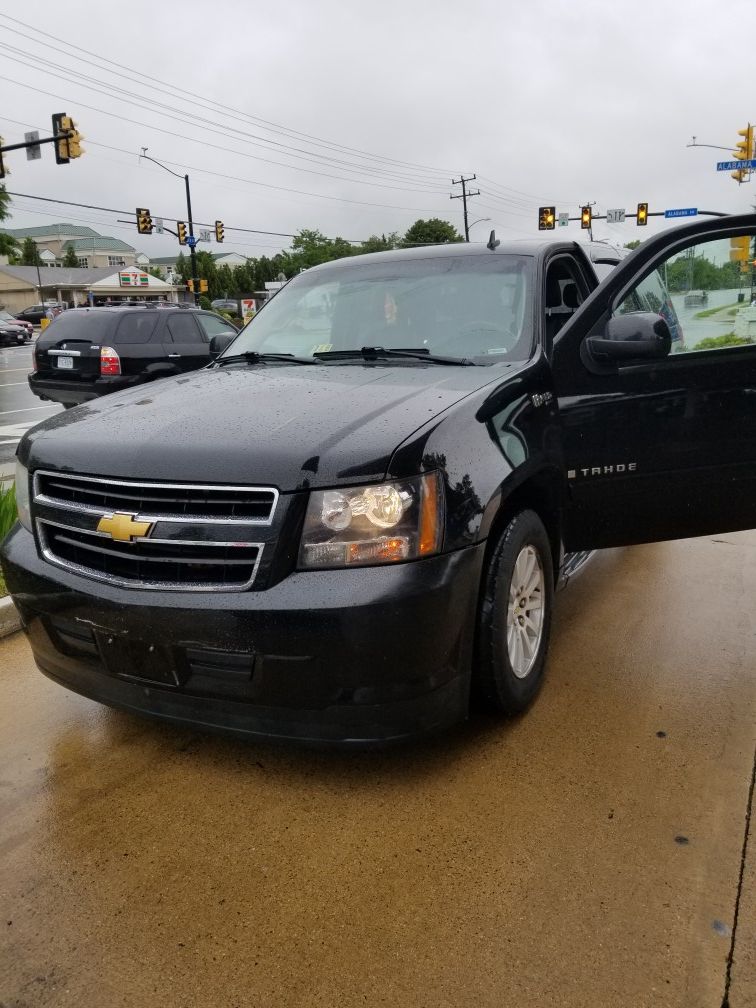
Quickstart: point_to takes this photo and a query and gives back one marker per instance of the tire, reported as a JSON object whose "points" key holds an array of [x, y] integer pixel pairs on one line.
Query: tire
{"points": [[515, 624]]}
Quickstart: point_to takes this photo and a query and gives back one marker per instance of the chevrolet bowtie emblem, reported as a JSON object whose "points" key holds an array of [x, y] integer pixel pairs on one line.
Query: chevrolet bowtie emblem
{"points": [[123, 526]]}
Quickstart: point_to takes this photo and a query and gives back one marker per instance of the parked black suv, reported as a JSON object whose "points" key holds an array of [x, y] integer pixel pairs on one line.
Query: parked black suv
{"points": [[87, 352], [360, 511]]}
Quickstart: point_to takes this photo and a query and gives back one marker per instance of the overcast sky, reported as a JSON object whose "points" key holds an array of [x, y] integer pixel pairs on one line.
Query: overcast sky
{"points": [[371, 108]]}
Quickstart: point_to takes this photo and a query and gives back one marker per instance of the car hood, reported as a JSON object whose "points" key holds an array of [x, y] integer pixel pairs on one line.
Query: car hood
{"points": [[287, 426]]}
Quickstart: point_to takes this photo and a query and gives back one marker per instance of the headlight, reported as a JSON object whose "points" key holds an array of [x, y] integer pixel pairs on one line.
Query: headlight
{"points": [[22, 495], [369, 525]]}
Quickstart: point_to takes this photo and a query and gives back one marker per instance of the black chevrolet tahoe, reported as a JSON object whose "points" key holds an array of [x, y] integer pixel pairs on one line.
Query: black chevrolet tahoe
{"points": [[356, 517]]}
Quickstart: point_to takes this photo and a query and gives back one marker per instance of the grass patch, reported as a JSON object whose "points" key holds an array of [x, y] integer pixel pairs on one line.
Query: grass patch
{"points": [[8, 515], [707, 312]]}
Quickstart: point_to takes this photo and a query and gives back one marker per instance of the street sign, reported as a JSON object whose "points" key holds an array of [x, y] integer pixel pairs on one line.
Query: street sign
{"points": [[615, 216], [564, 219], [191, 240], [204, 236], [736, 165], [686, 212], [159, 226], [33, 153]]}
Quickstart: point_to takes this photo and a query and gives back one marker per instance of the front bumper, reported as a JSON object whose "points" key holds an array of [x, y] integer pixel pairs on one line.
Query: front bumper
{"points": [[364, 655], [76, 392]]}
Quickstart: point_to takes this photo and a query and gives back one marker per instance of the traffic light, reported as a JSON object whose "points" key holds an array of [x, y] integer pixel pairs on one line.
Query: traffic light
{"points": [[62, 124], [75, 149], [740, 249], [585, 217], [181, 231], [219, 231], [546, 218], [743, 152], [641, 215], [144, 221], [2, 166], [190, 285], [203, 286]]}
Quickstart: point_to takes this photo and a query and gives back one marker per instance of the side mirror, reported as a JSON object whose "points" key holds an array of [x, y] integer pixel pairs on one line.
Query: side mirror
{"points": [[633, 336], [219, 343]]}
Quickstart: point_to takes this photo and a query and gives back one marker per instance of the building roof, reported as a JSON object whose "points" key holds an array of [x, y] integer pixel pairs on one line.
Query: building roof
{"points": [[164, 260], [97, 243], [57, 276], [52, 230]]}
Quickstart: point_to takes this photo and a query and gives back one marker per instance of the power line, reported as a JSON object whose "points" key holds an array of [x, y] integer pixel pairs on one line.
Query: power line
{"points": [[206, 143], [130, 213], [246, 181], [237, 113], [191, 118]]}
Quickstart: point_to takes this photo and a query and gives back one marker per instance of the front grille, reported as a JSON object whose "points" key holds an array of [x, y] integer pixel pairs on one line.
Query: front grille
{"points": [[198, 537], [198, 501]]}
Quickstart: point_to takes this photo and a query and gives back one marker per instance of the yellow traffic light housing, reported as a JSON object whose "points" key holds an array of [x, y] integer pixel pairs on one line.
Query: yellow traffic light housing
{"points": [[181, 232], [63, 126], [190, 285], [744, 151], [203, 286], [740, 249], [144, 221], [75, 149], [585, 217], [219, 231], [641, 215], [546, 218]]}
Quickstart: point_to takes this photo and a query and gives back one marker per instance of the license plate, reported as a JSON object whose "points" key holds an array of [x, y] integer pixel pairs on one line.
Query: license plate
{"points": [[65, 362]]}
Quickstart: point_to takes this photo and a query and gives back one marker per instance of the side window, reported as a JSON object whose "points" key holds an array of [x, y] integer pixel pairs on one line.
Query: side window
{"points": [[137, 327], [214, 326], [183, 329], [565, 292], [706, 293]]}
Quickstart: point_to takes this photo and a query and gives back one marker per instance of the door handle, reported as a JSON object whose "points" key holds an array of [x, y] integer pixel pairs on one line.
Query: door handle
{"points": [[174, 354]]}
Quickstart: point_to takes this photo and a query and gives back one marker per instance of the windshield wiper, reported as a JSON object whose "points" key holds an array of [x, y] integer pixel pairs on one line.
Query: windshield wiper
{"points": [[378, 353], [253, 357]]}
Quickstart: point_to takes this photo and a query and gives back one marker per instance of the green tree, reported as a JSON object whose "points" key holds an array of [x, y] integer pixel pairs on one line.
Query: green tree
{"points": [[431, 232], [30, 253], [156, 271], [8, 244], [384, 243], [70, 259], [183, 267]]}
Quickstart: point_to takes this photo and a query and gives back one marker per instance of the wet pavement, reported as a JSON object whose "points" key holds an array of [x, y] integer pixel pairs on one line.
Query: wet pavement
{"points": [[589, 853]]}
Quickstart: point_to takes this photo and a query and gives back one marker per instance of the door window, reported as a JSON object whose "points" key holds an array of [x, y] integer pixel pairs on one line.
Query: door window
{"points": [[214, 326], [136, 328], [706, 293], [183, 329]]}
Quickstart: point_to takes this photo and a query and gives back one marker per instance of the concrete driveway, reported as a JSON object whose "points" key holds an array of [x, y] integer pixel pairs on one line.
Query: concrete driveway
{"points": [[590, 853]]}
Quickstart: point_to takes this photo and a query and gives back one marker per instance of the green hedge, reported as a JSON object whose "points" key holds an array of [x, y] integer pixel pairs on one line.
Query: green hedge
{"points": [[8, 515]]}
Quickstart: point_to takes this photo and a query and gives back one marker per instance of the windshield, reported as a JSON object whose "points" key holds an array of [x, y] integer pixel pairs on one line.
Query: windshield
{"points": [[477, 307]]}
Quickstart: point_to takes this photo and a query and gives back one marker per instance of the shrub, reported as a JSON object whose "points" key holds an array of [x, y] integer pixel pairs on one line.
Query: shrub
{"points": [[717, 342], [8, 512]]}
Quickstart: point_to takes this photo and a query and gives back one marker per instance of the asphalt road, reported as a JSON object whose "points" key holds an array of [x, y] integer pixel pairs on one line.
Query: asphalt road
{"points": [[20, 409], [592, 852]]}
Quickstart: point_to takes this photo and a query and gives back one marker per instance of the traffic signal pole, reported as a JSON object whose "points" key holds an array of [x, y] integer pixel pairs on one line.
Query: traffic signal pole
{"points": [[195, 275]]}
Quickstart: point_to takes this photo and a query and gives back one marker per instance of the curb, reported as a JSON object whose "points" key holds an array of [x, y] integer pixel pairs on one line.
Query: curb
{"points": [[10, 621]]}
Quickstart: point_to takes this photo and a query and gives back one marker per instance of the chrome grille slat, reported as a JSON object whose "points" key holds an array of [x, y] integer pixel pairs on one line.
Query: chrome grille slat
{"points": [[253, 504], [208, 548]]}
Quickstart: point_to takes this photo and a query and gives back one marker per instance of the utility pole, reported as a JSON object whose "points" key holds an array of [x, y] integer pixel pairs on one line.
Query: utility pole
{"points": [[464, 196], [192, 241]]}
